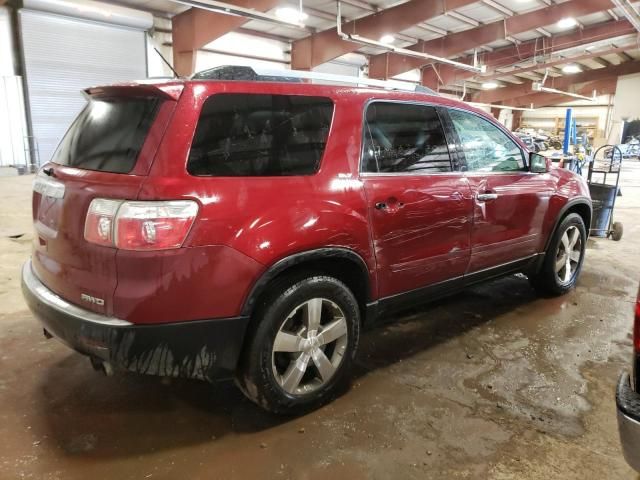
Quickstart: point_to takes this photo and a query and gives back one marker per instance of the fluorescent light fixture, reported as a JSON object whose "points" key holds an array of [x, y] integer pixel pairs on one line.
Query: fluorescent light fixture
{"points": [[290, 14], [387, 38], [568, 22], [250, 13], [538, 87], [501, 107], [572, 68], [489, 85], [352, 37]]}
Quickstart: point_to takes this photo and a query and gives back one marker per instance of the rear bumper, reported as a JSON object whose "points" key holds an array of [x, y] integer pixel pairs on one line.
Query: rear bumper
{"points": [[628, 404], [203, 349]]}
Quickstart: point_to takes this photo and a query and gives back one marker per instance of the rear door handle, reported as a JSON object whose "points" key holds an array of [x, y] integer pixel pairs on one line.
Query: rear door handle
{"points": [[391, 205], [483, 197]]}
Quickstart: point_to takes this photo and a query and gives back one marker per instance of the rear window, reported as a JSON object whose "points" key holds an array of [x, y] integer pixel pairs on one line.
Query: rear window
{"points": [[108, 135], [260, 135]]}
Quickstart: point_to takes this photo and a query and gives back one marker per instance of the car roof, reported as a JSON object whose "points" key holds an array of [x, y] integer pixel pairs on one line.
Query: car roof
{"points": [[299, 88], [314, 89]]}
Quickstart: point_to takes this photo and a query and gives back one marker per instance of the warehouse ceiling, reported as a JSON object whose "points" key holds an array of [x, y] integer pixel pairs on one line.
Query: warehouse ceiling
{"points": [[519, 41]]}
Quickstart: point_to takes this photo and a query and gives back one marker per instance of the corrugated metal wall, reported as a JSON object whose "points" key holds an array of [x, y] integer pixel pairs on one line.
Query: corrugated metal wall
{"points": [[14, 146], [62, 56]]}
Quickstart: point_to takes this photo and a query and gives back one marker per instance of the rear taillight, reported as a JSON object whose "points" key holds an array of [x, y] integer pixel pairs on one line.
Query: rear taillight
{"points": [[139, 225], [154, 225], [98, 227]]}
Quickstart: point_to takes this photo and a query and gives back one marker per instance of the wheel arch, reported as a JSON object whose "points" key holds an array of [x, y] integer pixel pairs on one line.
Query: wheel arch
{"points": [[581, 206], [341, 263]]}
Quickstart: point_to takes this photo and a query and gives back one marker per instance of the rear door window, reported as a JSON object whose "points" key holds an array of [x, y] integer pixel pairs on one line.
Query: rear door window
{"points": [[108, 134], [404, 138], [242, 134]]}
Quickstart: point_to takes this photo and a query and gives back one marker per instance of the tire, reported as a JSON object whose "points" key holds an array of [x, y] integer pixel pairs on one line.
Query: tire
{"points": [[267, 373], [616, 231], [553, 279]]}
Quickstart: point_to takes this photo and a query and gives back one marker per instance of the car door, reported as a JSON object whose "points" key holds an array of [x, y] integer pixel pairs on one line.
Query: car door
{"points": [[419, 208], [509, 201]]}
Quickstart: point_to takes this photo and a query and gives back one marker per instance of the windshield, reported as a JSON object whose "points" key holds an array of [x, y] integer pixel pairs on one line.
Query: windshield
{"points": [[108, 134]]}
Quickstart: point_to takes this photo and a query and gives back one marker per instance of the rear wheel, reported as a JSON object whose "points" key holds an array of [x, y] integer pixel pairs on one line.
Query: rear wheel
{"points": [[563, 259], [301, 351]]}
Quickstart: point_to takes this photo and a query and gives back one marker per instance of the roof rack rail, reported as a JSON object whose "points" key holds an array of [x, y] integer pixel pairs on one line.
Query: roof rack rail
{"points": [[261, 74]]}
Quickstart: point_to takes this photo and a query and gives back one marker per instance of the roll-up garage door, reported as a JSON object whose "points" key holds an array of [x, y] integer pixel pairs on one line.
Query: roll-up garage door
{"points": [[62, 56]]}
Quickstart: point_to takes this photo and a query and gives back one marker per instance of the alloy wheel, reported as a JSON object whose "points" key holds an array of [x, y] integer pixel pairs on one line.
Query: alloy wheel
{"points": [[309, 346], [568, 255]]}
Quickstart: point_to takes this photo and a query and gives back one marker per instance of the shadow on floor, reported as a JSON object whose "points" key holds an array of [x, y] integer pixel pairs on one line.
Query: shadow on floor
{"points": [[127, 415]]}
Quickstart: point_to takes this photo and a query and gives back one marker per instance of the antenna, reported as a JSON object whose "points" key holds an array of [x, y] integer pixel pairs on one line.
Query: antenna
{"points": [[175, 74], [166, 62]]}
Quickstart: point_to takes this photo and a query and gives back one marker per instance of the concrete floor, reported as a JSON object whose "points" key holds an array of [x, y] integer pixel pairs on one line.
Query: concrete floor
{"points": [[492, 383]]}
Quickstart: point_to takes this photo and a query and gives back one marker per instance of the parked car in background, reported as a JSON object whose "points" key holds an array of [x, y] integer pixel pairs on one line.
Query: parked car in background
{"points": [[628, 401], [250, 229], [534, 143], [527, 140]]}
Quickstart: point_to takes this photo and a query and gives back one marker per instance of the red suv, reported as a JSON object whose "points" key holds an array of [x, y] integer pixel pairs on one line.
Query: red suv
{"points": [[250, 229]]}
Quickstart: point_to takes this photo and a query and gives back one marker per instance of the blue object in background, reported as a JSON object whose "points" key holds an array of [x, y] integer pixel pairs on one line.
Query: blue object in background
{"points": [[567, 131]]}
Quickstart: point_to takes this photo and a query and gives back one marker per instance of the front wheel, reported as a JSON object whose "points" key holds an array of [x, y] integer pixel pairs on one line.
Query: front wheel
{"points": [[303, 344], [563, 258]]}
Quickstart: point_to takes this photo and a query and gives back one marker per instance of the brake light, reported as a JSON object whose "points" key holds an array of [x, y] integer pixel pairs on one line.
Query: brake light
{"points": [[139, 225], [154, 225], [98, 227]]}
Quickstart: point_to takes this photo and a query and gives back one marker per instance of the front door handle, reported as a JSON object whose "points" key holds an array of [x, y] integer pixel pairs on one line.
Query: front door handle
{"points": [[483, 197]]}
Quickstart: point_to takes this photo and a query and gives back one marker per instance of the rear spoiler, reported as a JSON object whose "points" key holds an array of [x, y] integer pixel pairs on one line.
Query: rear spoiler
{"points": [[166, 91]]}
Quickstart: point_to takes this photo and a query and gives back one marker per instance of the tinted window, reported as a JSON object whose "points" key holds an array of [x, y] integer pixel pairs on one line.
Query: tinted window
{"points": [[486, 147], [402, 137], [107, 135], [260, 135]]}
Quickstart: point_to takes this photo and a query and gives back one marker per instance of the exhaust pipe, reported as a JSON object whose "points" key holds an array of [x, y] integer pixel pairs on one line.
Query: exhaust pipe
{"points": [[102, 366]]}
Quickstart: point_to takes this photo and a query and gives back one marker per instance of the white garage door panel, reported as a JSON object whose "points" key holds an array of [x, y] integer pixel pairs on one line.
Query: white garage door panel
{"points": [[62, 57]]}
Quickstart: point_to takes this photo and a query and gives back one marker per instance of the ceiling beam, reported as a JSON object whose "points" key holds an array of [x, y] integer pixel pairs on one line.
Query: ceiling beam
{"points": [[625, 56], [324, 46], [268, 36], [529, 50], [390, 64], [463, 18], [498, 7], [562, 83], [361, 4], [601, 61], [538, 100], [593, 55], [195, 28]]}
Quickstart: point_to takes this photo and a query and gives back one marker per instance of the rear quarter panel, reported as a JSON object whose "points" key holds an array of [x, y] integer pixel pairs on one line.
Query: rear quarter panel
{"points": [[265, 219]]}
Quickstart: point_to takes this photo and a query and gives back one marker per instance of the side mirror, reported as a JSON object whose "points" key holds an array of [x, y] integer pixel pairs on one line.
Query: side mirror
{"points": [[538, 163]]}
